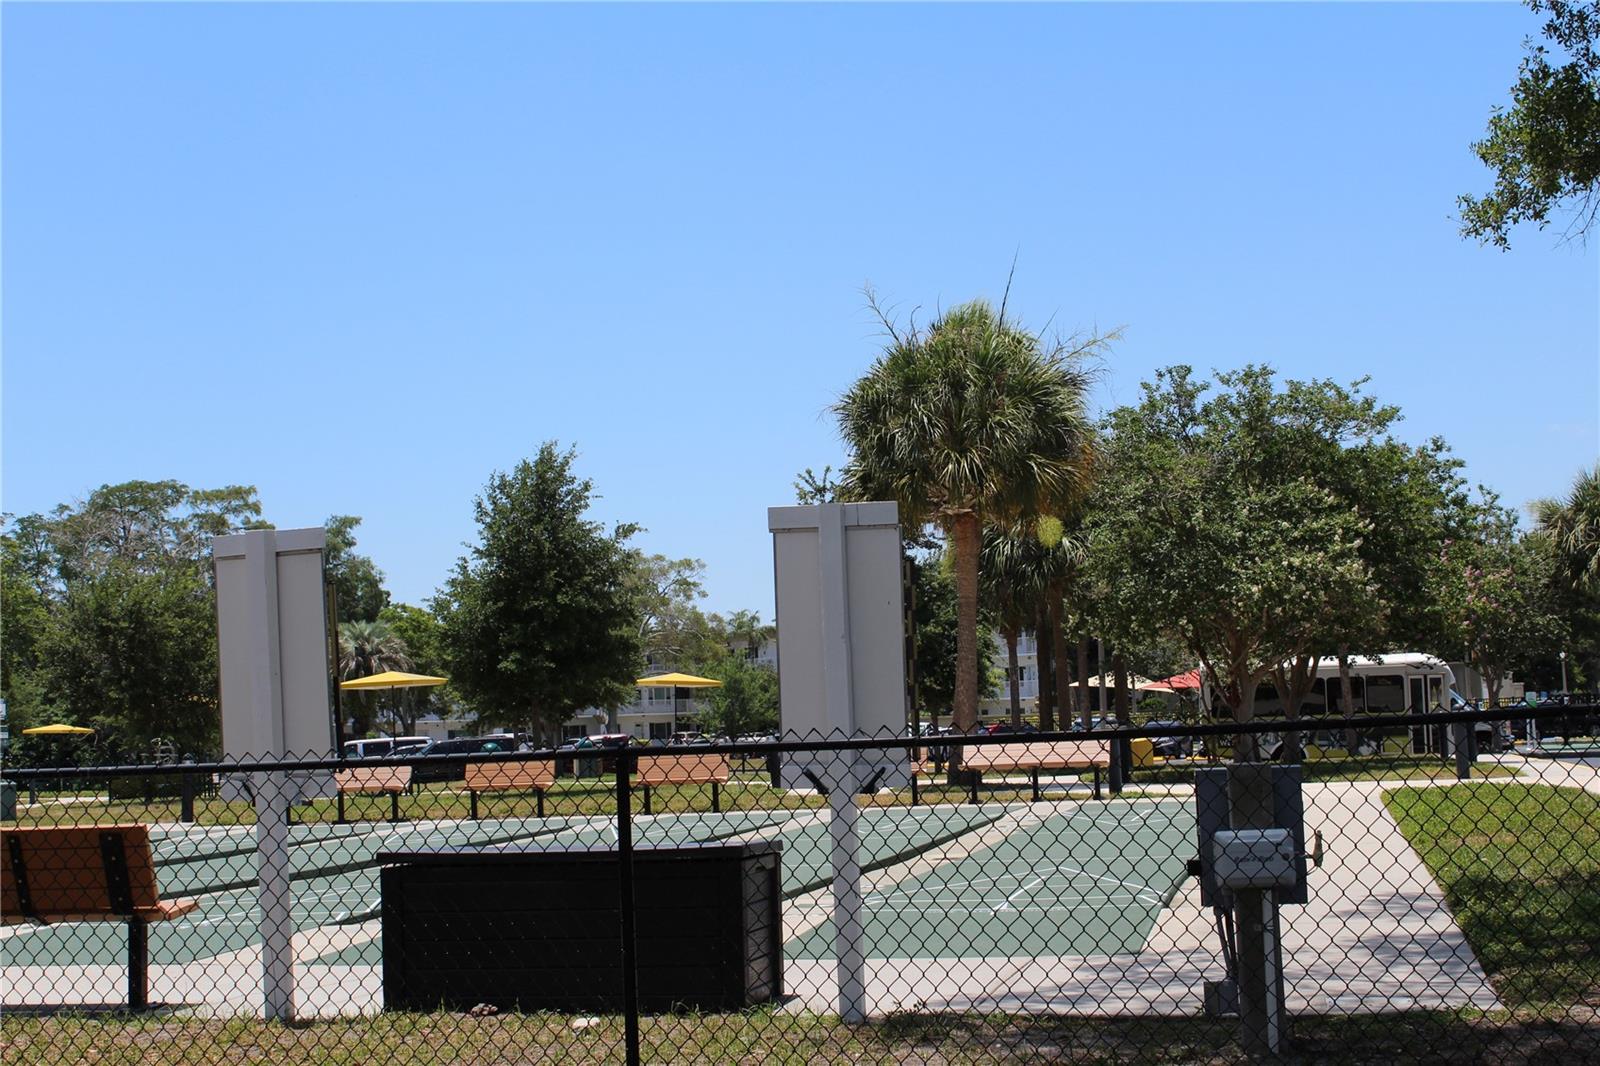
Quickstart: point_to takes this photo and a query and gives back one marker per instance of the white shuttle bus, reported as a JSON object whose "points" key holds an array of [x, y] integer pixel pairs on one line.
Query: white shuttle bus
{"points": [[1392, 683]]}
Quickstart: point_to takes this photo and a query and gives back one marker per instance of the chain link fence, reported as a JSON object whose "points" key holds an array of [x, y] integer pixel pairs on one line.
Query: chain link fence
{"points": [[1426, 891]]}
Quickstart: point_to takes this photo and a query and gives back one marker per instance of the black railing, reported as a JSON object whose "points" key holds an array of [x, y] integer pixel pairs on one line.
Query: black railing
{"points": [[1008, 908]]}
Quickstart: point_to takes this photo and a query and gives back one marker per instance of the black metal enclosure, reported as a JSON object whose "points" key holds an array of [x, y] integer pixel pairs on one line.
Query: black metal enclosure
{"points": [[539, 930]]}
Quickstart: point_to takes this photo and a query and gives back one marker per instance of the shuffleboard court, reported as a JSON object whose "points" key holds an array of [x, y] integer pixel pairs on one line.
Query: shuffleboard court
{"points": [[887, 836], [1084, 882]]}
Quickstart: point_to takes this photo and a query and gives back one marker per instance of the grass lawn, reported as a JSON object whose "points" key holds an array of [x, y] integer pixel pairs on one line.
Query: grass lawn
{"points": [[431, 801], [1520, 866], [761, 1037], [1344, 768]]}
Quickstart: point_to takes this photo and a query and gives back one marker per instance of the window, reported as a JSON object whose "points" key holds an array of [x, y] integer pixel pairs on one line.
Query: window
{"points": [[573, 732], [660, 730], [1386, 694], [1336, 695]]}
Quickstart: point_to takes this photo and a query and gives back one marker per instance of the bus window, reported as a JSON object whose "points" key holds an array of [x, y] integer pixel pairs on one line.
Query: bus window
{"points": [[1386, 694], [1357, 695]]}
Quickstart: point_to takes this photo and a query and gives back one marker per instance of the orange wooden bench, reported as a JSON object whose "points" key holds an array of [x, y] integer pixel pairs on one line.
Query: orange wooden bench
{"points": [[686, 769], [531, 776], [1036, 755], [95, 873], [369, 780]]}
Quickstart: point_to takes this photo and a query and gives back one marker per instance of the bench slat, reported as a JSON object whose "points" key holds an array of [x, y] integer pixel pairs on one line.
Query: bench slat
{"points": [[683, 770], [511, 776], [1039, 755], [373, 779]]}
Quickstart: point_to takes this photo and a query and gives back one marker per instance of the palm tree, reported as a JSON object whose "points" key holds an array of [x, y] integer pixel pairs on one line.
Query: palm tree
{"points": [[969, 422], [1024, 571], [1010, 586], [367, 648], [1573, 526]]}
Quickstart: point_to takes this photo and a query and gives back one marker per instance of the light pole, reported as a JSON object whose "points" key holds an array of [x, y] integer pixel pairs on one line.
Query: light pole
{"points": [[1563, 671]]}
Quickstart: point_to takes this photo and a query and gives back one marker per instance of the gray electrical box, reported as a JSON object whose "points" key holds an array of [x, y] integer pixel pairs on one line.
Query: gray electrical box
{"points": [[1211, 818]]}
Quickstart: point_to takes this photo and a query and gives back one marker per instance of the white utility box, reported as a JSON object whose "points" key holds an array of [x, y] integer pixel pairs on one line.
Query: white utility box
{"points": [[1254, 858]]}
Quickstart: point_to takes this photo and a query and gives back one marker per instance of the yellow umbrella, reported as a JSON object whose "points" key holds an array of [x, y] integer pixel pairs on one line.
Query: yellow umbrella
{"points": [[393, 679], [57, 730], [677, 681]]}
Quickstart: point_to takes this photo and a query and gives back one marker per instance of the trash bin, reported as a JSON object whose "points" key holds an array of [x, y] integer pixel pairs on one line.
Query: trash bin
{"points": [[8, 801]]}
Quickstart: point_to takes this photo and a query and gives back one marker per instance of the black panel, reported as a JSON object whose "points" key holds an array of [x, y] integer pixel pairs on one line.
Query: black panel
{"points": [[541, 931]]}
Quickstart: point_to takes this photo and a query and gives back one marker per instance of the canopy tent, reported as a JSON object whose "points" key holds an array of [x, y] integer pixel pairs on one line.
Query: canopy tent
{"points": [[57, 730], [675, 682], [1189, 679]]}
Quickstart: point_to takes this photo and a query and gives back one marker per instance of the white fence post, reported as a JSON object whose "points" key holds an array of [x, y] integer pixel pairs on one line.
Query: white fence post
{"points": [[274, 904], [849, 944]]}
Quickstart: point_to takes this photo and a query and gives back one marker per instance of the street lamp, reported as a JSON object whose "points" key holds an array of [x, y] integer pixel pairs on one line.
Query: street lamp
{"points": [[1563, 671]]}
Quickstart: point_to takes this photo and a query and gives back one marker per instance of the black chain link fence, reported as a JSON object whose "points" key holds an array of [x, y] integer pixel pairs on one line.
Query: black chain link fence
{"points": [[1415, 889]]}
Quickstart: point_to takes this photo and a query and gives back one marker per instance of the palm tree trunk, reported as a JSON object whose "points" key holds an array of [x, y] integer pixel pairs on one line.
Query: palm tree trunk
{"points": [[1058, 651], [1119, 670], [1082, 706], [964, 712], [1016, 681], [1042, 644]]}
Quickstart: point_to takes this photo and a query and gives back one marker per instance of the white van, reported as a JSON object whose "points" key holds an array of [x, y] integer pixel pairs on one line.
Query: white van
{"points": [[379, 747]]}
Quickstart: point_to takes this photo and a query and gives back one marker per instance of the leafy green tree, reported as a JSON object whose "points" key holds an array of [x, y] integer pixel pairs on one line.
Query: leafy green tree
{"points": [[357, 582], [1499, 596], [972, 421], [134, 656], [1545, 148], [665, 591], [747, 702], [813, 488], [541, 620], [109, 613], [1224, 541]]}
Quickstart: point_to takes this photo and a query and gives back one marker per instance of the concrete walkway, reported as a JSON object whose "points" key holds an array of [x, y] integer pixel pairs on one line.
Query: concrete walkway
{"points": [[1376, 936]]}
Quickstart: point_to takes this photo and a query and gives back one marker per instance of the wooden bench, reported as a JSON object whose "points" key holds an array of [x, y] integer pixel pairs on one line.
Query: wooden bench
{"points": [[687, 769], [98, 873], [1037, 755], [531, 776], [372, 780]]}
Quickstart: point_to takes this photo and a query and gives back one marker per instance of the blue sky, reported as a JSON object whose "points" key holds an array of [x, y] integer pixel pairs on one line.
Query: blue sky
{"points": [[361, 256]]}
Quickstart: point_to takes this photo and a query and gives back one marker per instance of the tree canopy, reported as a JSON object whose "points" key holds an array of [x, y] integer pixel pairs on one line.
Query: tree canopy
{"points": [[1544, 149], [540, 619], [110, 614]]}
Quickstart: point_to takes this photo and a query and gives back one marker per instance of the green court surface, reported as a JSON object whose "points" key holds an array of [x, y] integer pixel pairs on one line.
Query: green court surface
{"points": [[1084, 882], [1090, 876]]}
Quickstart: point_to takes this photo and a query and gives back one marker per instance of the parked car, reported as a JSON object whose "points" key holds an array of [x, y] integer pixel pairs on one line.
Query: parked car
{"points": [[1170, 747], [456, 769]]}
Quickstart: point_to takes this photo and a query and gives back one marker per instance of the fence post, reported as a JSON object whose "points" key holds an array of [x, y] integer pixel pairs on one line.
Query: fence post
{"points": [[848, 942], [272, 895], [1260, 957], [1463, 745], [625, 900], [186, 810]]}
